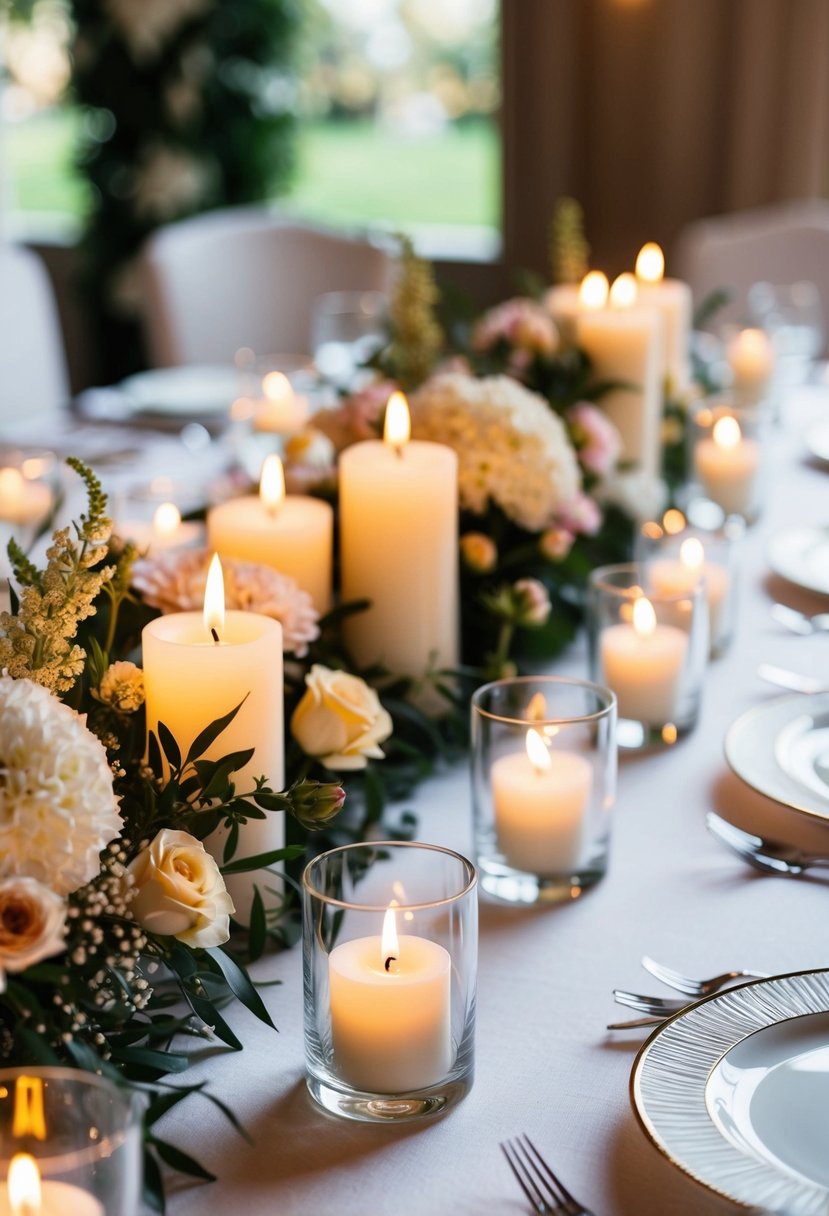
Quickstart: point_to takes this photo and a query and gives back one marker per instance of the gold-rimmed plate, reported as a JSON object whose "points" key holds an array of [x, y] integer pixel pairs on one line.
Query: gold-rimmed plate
{"points": [[781, 749]]}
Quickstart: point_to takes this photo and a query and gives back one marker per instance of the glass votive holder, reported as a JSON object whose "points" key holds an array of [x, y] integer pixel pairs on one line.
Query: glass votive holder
{"points": [[677, 555], [726, 463], [651, 649], [390, 944], [70, 1142], [543, 786]]}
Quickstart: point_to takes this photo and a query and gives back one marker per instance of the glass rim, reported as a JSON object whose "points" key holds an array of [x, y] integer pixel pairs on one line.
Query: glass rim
{"points": [[423, 905], [602, 691], [599, 575]]}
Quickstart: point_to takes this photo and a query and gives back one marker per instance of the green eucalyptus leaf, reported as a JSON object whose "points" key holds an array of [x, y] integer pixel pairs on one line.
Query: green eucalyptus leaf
{"points": [[169, 746], [258, 927], [210, 734], [261, 861], [177, 1159], [239, 982]]}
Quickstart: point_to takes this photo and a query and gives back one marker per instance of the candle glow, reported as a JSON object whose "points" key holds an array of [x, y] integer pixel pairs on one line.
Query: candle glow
{"points": [[623, 293], [24, 1185], [397, 427], [272, 482], [277, 387], [537, 708], [537, 752], [594, 291], [214, 598], [167, 519], [650, 263], [692, 554], [389, 941], [726, 433], [644, 617]]}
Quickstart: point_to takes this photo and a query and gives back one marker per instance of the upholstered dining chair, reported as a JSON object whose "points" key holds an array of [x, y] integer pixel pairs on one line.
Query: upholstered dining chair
{"points": [[33, 375], [779, 244], [246, 277]]}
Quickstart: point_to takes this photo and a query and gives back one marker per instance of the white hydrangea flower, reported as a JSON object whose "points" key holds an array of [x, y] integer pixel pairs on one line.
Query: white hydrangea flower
{"points": [[57, 805], [176, 582], [512, 448]]}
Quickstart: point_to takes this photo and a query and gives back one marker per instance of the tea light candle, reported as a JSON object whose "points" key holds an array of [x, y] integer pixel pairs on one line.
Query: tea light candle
{"points": [[642, 663], [23, 501], [674, 301], [751, 359], [624, 343], [399, 548], [166, 532], [541, 800], [291, 533], [280, 410], [193, 675], [390, 1011], [672, 576], [727, 463], [25, 1194]]}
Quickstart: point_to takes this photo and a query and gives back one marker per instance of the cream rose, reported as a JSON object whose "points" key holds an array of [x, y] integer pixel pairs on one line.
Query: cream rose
{"points": [[340, 719], [32, 921], [180, 891]]}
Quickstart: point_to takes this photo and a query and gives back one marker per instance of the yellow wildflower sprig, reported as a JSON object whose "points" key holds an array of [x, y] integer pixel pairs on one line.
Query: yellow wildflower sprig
{"points": [[569, 250], [417, 337], [38, 640]]}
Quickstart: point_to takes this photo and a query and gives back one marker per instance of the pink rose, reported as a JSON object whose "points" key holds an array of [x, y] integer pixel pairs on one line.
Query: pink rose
{"points": [[556, 543], [581, 515], [596, 439]]}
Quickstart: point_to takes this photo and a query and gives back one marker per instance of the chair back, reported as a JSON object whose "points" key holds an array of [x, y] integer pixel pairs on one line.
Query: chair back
{"points": [[246, 277], [33, 375]]}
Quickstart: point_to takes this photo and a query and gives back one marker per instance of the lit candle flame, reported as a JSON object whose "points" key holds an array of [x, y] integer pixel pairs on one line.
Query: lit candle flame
{"points": [[29, 1118], [673, 521], [214, 599], [389, 943], [650, 264], [644, 617], [594, 290], [727, 433], [623, 292], [537, 751], [24, 1186], [537, 708], [272, 484], [397, 427], [277, 387], [11, 484], [167, 519], [692, 554]]}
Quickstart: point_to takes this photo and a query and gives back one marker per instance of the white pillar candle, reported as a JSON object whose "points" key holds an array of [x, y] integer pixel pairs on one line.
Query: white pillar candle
{"points": [[191, 680], [642, 662], [676, 576], [541, 800], [674, 301], [292, 534], [166, 533], [624, 343], [727, 464], [25, 1194], [391, 1028], [280, 410], [751, 359], [399, 549], [23, 501]]}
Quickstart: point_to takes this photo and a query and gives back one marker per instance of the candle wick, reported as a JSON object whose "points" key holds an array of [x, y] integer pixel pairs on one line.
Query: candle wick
{"points": [[391, 959], [214, 635], [398, 447]]}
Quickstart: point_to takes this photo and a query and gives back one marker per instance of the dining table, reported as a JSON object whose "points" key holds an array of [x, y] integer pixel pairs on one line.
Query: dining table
{"points": [[545, 1062]]}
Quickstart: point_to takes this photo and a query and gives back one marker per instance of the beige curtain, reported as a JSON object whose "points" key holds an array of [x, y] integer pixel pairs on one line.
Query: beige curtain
{"points": [[657, 112]]}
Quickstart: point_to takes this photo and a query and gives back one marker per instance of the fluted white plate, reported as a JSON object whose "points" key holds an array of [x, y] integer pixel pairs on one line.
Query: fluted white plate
{"points": [[801, 556], [735, 1090], [781, 749]]}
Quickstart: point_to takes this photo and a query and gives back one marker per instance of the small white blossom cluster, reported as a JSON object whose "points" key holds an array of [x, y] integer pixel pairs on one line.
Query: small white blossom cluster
{"points": [[122, 689], [512, 449], [176, 582]]}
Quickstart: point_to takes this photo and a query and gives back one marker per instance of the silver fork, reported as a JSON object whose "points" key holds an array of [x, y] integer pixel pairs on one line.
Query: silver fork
{"points": [[695, 987], [543, 1189], [653, 1006], [768, 856], [792, 680]]}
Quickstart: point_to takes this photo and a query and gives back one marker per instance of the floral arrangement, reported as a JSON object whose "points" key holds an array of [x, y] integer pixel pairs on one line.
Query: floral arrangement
{"points": [[115, 919]]}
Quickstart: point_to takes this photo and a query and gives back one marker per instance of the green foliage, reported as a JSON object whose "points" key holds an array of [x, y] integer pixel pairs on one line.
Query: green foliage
{"points": [[416, 335], [569, 250]]}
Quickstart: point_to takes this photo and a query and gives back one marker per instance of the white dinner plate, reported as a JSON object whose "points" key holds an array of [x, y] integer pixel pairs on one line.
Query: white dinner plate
{"points": [[185, 392], [735, 1092], [801, 555], [781, 749], [817, 440]]}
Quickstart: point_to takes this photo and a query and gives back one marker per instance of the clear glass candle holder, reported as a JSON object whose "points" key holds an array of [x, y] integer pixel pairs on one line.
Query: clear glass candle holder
{"points": [[678, 554], [543, 786], [70, 1142], [726, 456], [651, 648], [390, 943]]}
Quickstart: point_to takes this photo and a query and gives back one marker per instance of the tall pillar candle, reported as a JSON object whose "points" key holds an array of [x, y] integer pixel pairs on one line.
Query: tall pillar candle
{"points": [[292, 534], [191, 680], [674, 301], [399, 549], [624, 344]]}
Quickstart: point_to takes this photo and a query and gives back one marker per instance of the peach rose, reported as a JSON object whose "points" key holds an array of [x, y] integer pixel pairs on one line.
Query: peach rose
{"points": [[340, 719], [180, 891], [32, 921]]}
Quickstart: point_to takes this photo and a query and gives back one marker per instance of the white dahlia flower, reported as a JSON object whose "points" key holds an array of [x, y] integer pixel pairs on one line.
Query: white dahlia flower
{"points": [[512, 449], [57, 805]]}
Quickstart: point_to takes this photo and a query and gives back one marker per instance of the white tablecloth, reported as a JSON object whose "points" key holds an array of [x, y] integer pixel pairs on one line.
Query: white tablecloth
{"points": [[545, 1063]]}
